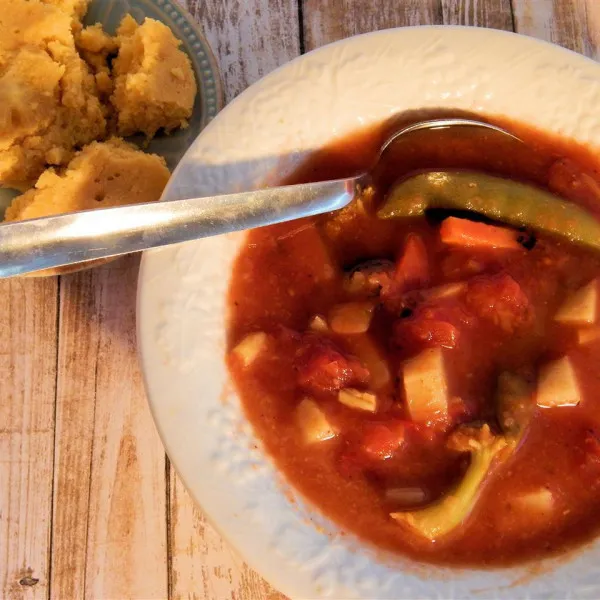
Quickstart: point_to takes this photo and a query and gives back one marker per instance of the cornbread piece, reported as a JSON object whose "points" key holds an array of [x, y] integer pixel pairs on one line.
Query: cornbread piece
{"points": [[103, 174], [95, 47], [74, 8], [154, 82], [48, 99]]}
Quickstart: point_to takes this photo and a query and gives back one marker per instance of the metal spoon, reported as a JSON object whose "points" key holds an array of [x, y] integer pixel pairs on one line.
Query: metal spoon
{"points": [[27, 246]]}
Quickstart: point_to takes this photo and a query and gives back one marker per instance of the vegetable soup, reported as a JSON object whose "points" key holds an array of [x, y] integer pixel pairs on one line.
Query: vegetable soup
{"points": [[423, 365]]}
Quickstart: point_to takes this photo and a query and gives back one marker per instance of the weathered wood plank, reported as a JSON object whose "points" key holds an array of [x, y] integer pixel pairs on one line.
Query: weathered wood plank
{"points": [[249, 41], [76, 399], [495, 14], [109, 535], [326, 21], [574, 24], [28, 339]]}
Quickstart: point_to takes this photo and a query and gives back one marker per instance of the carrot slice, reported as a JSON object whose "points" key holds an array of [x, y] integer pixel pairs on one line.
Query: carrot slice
{"points": [[471, 234], [412, 268]]}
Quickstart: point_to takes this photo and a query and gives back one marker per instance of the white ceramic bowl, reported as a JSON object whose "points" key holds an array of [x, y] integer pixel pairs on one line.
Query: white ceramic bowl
{"points": [[256, 140]]}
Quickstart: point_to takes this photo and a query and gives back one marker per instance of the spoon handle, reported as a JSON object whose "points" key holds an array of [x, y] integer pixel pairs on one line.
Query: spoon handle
{"points": [[27, 246]]}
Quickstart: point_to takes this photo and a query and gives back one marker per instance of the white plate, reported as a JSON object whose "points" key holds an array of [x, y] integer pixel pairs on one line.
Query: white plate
{"points": [[182, 295]]}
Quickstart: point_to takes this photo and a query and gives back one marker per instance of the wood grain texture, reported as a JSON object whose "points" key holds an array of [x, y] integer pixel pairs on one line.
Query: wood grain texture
{"points": [[574, 24], [495, 14], [27, 383], [109, 535], [249, 38], [326, 21]]}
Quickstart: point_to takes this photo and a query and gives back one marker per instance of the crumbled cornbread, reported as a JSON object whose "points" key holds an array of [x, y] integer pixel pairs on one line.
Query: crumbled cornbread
{"points": [[74, 8], [48, 99], [95, 46], [103, 174], [154, 85]]}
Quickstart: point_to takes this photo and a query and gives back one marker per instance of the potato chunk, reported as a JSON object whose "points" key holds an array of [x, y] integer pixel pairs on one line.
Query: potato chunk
{"points": [[351, 317], [557, 384], [250, 347], [318, 324], [312, 422], [369, 354], [426, 387], [358, 400], [581, 307], [587, 335], [539, 502]]}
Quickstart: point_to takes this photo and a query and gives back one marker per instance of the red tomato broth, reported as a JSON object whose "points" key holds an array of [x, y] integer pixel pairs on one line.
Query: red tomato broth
{"points": [[278, 284]]}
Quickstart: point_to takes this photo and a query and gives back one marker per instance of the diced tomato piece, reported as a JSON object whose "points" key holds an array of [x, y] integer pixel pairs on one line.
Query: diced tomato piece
{"points": [[471, 234], [323, 367], [426, 333], [412, 268], [380, 441], [499, 299], [432, 325]]}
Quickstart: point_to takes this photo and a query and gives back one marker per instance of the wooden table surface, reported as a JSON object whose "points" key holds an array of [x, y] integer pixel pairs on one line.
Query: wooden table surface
{"points": [[89, 504]]}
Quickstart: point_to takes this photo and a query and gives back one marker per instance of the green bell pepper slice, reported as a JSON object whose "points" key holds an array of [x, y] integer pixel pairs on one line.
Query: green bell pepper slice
{"points": [[512, 202]]}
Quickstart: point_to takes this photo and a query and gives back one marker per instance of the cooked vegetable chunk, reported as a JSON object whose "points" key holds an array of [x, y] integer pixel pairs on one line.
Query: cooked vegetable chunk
{"points": [[470, 234], [380, 441], [557, 384], [372, 357], [351, 317], [587, 335], [312, 422], [500, 300], [250, 347], [512, 202], [369, 277], [515, 399], [318, 324], [357, 399], [581, 307], [412, 268], [537, 502], [443, 516], [426, 387], [323, 367]]}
